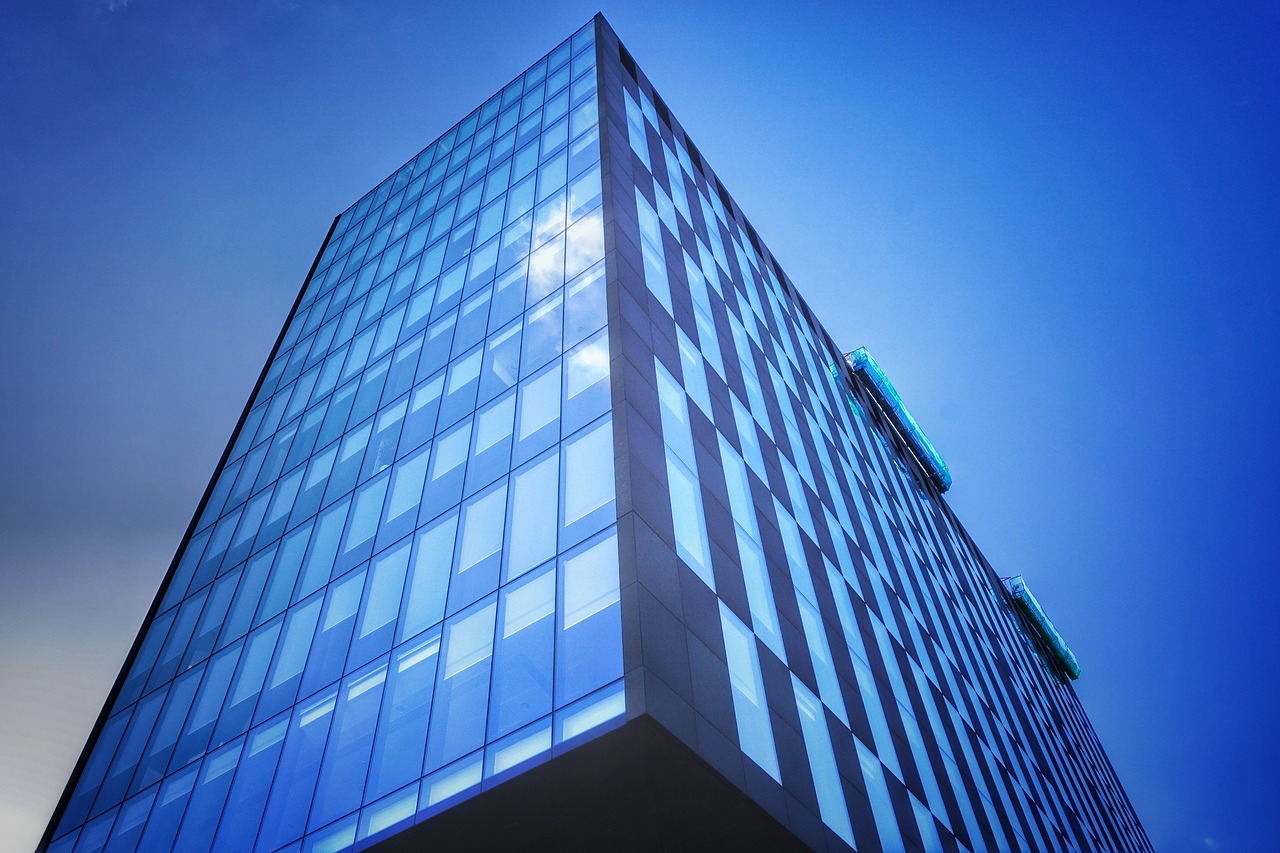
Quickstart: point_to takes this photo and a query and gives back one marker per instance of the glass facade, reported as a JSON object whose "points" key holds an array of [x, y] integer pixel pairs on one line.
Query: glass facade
{"points": [[545, 390], [404, 583]]}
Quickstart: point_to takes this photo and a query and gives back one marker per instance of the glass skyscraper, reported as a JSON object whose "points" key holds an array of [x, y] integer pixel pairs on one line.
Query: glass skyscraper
{"points": [[556, 520]]}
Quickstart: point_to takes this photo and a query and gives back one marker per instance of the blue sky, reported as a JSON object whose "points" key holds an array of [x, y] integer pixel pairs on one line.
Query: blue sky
{"points": [[1053, 223]]}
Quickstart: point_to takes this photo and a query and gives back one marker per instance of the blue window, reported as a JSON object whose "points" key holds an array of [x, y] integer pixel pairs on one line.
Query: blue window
{"points": [[400, 740], [531, 537], [822, 762], [755, 734], [523, 654], [589, 635], [208, 797], [462, 689], [285, 816], [245, 800], [428, 581], [340, 783]]}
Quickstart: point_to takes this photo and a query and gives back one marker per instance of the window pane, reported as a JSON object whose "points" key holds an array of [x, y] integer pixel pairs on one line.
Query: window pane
{"points": [[482, 523], [248, 682], [585, 244], [208, 797], [495, 423], [591, 713], [329, 652], [820, 653], [462, 693], [686, 517], [167, 813], [429, 579], [246, 800], [291, 657], [282, 500], [402, 729], [544, 324], [386, 438], [386, 585], [199, 725], [886, 820], [523, 657], [406, 485], [548, 222], [822, 762], [533, 515], [750, 709], [539, 402], [480, 531], [584, 192], [180, 696], [589, 641], [586, 365], [588, 471], [324, 549], [346, 469], [295, 779], [676, 432], [463, 372], [519, 748], [365, 512], [215, 612], [585, 307], [501, 362], [284, 574], [340, 786], [764, 615], [451, 450]]}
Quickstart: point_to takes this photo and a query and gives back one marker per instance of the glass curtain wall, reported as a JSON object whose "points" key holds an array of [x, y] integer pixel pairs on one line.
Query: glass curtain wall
{"points": [[404, 585]]}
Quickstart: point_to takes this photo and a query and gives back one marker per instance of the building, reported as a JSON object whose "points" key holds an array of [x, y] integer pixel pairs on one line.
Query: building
{"points": [[556, 520]]}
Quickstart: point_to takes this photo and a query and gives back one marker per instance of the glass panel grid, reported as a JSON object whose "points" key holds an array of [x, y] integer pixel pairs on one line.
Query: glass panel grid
{"points": [[331, 635]]}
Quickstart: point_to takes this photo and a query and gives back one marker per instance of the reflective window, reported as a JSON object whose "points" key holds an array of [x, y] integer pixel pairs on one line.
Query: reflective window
{"points": [[588, 471], [400, 741], [589, 639], [350, 742], [462, 688], [822, 762], [281, 688], [687, 518], [521, 691], [481, 527], [405, 494], [245, 803], [532, 532], [285, 815], [755, 733]]}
